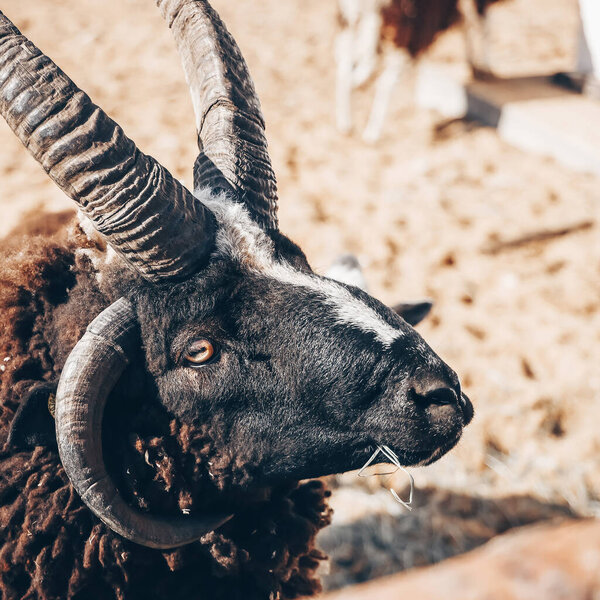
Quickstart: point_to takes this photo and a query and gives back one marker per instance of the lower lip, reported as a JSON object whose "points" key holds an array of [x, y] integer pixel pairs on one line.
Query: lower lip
{"points": [[430, 456], [441, 450], [423, 457]]}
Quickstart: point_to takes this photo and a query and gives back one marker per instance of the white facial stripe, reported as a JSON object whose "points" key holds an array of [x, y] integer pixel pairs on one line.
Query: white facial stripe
{"points": [[349, 310], [240, 238]]}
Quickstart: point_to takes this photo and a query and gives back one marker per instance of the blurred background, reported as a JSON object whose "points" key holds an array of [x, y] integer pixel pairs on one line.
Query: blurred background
{"points": [[427, 209]]}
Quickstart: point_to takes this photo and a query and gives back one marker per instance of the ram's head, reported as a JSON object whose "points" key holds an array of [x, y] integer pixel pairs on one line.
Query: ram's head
{"points": [[302, 374]]}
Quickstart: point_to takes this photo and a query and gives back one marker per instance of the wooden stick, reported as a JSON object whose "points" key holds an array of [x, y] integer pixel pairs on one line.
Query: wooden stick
{"points": [[536, 236]]}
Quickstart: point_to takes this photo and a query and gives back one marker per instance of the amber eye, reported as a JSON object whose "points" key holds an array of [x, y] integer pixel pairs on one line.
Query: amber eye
{"points": [[199, 352]]}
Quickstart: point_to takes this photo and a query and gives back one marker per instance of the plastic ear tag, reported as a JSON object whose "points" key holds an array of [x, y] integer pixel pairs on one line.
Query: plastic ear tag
{"points": [[52, 405], [393, 458]]}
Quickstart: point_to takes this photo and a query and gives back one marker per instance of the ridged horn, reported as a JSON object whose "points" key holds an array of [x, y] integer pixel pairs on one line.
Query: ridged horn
{"points": [[89, 375], [144, 213], [231, 129]]}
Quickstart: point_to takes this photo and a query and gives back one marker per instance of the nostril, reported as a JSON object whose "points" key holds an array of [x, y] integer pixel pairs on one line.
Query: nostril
{"points": [[441, 396]]}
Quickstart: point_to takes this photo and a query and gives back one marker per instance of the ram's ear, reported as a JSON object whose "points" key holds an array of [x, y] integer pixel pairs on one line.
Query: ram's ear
{"points": [[33, 423], [413, 312]]}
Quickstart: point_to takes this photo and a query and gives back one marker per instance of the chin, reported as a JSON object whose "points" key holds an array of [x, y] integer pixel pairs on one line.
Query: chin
{"points": [[422, 457], [438, 452]]}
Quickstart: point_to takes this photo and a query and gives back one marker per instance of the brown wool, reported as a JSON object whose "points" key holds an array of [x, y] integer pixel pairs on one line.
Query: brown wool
{"points": [[51, 546]]}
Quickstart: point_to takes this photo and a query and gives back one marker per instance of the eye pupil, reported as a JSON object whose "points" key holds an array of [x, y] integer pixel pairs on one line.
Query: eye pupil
{"points": [[199, 352]]}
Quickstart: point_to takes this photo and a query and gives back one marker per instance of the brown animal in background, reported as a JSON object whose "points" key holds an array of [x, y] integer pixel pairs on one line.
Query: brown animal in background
{"points": [[399, 31]]}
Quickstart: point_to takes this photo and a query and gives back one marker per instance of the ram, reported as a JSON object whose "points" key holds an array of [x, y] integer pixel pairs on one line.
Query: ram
{"points": [[196, 367]]}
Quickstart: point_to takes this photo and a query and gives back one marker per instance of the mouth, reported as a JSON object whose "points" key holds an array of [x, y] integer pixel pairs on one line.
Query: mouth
{"points": [[418, 458], [440, 451]]}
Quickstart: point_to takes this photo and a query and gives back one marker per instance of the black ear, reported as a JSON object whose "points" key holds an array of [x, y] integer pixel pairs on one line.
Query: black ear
{"points": [[33, 425], [413, 312]]}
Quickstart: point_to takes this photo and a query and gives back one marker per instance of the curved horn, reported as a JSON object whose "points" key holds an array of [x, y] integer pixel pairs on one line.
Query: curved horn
{"points": [[90, 373], [144, 213], [229, 121]]}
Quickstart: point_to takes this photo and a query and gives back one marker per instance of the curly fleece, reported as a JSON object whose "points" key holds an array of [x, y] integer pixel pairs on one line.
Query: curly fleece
{"points": [[51, 546]]}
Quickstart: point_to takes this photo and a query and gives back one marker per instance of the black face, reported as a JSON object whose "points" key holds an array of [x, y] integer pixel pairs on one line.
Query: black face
{"points": [[295, 382]]}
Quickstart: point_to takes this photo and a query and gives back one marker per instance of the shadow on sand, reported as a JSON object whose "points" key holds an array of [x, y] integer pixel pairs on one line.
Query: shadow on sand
{"points": [[442, 524]]}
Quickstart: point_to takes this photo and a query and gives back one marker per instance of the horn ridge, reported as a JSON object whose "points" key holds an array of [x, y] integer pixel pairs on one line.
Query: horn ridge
{"points": [[156, 224], [231, 136]]}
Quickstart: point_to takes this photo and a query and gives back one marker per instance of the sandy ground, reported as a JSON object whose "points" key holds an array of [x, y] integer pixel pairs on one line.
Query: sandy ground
{"points": [[521, 327]]}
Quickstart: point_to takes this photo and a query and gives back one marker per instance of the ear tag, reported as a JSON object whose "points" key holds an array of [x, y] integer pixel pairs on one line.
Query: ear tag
{"points": [[52, 405], [393, 458]]}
